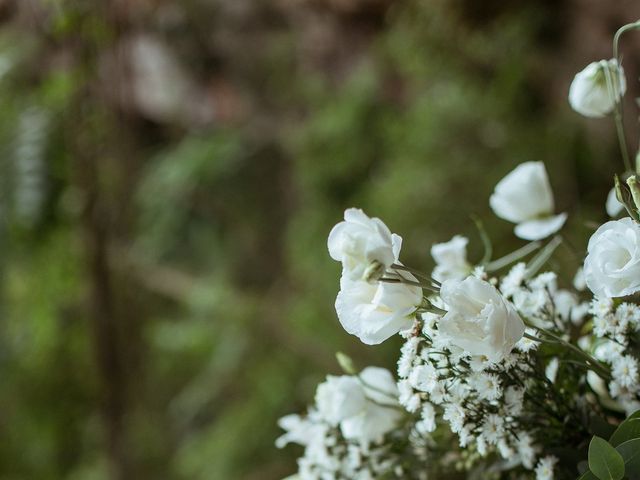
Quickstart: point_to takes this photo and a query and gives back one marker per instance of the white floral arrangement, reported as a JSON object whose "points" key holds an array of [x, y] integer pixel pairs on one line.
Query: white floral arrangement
{"points": [[503, 373]]}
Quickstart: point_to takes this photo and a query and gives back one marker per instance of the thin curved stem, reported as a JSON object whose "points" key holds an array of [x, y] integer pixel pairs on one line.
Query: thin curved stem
{"points": [[590, 362], [618, 113]]}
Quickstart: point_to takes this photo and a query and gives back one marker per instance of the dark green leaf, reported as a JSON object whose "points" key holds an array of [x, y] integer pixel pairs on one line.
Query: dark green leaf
{"points": [[627, 430], [588, 476], [630, 451], [604, 461]]}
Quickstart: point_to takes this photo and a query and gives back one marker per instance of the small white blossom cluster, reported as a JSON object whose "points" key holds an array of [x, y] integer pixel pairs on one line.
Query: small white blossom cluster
{"points": [[614, 327], [482, 402], [344, 432], [540, 300]]}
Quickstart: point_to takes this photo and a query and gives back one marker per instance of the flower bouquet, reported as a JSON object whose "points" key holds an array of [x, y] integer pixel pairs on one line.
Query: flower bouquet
{"points": [[504, 373]]}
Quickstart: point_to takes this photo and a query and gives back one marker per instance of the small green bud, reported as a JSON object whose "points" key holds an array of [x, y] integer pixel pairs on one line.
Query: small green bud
{"points": [[346, 363], [373, 272], [632, 182]]}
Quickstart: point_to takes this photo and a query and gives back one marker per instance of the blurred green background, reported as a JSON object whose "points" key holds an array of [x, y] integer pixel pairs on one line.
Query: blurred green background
{"points": [[170, 170]]}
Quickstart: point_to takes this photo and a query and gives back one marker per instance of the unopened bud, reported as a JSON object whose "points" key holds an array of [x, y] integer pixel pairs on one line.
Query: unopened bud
{"points": [[632, 182], [373, 272], [346, 363]]}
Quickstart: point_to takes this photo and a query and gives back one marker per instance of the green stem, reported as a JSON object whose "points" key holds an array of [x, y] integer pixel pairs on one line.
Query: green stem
{"points": [[409, 282], [618, 113], [591, 362], [616, 37], [417, 273], [486, 240], [512, 257]]}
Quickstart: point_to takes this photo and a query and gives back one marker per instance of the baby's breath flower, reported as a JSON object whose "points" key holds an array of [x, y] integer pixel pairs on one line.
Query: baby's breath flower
{"points": [[544, 469]]}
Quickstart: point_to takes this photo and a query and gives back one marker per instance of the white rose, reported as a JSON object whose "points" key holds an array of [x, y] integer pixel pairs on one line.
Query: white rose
{"points": [[451, 259], [375, 311], [360, 241], [479, 320], [381, 413], [595, 90], [612, 266], [340, 397], [524, 197]]}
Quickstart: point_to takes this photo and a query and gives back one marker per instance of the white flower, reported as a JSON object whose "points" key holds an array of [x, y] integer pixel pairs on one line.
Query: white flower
{"points": [[629, 314], [375, 311], [551, 370], [612, 266], [380, 414], [544, 469], [625, 371], [428, 417], [505, 450], [524, 197], [299, 430], [487, 385], [595, 90], [613, 206], [479, 319], [513, 401], [365, 407], [340, 397], [408, 398], [513, 280], [451, 259], [493, 428], [455, 415], [362, 243], [424, 377], [578, 280], [526, 450]]}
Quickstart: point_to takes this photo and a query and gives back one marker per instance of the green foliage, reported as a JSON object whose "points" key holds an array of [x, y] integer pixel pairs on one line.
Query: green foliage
{"points": [[604, 461], [630, 451], [628, 430], [620, 456]]}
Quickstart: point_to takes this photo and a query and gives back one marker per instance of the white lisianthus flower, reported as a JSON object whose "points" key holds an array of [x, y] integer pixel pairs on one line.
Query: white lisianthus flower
{"points": [[339, 397], [362, 244], [612, 266], [365, 407], [479, 320], [451, 259], [381, 412], [613, 206], [595, 90], [373, 312], [524, 197]]}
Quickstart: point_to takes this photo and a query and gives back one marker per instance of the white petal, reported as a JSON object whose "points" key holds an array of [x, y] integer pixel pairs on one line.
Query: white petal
{"points": [[539, 229]]}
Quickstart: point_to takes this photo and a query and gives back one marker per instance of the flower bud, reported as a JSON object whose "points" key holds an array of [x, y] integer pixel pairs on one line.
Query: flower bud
{"points": [[595, 90], [632, 182], [346, 363]]}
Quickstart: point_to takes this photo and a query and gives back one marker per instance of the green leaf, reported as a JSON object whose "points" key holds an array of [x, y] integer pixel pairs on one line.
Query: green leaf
{"points": [[588, 476], [604, 461], [627, 430], [635, 414], [630, 452]]}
